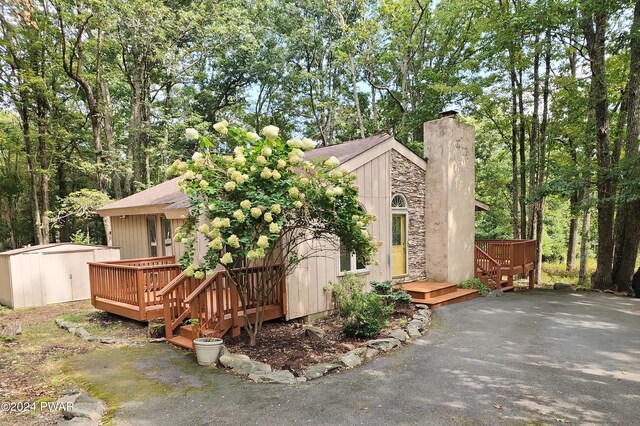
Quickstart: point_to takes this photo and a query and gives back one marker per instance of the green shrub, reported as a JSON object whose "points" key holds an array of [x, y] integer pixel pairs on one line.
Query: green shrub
{"points": [[363, 314], [475, 283], [391, 296]]}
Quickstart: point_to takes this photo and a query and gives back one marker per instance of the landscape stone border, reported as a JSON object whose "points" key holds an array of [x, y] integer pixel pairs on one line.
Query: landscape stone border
{"points": [[260, 372], [76, 330]]}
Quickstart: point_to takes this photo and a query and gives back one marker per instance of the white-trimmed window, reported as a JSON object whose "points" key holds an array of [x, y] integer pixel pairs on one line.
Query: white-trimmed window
{"points": [[350, 262]]}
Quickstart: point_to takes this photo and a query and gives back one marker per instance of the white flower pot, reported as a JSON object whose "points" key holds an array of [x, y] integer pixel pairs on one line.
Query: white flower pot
{"points": [[207, 350]]}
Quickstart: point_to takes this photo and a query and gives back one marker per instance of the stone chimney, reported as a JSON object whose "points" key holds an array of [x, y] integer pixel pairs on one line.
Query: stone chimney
{"points": [[450, 200]]}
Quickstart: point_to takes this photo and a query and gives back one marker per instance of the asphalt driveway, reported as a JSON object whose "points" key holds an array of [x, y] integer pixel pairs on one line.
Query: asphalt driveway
{"points": [[525, 358]]}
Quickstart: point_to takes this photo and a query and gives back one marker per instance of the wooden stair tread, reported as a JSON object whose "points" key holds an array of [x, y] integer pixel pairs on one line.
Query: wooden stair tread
{"points": [[460, 295], [181, 341], [507, 288], [425, 286]]}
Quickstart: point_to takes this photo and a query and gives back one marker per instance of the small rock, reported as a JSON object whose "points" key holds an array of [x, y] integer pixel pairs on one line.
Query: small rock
{"points": [[81, 405], [371, 353], [384, 345], [399, 335], [319, 370], [413, 332], [301, 379], [278, 376], [421, 306], [563, 287], [62, 323], [82, 333], [424, 312], [248, 367], [419, 317], [353, 358], [495, 293], [416, 323], [230, 360], [12, 330], [224, 350], [314, 332], [81, 421], [157, 340]]}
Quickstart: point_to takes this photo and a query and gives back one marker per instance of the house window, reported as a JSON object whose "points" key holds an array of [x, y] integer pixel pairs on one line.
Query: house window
{"points": [[166, 235], [398, 202], [152, 235], [350, 262]]}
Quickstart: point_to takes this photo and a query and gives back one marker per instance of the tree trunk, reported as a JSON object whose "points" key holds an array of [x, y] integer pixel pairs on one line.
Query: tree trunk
{"points": [[628, 237], [514, 157], [112, 155], [584, 246], [595, 29], [572, 247]]}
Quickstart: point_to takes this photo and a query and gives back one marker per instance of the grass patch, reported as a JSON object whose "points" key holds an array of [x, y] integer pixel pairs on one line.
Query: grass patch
{"points": [[557, 273]]}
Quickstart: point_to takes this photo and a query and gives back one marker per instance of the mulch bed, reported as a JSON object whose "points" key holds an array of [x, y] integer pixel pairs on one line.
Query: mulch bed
{"points": [[285, 346]]}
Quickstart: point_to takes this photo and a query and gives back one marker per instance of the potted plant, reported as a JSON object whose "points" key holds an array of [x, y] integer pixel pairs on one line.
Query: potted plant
{"points": [[207, 348]]}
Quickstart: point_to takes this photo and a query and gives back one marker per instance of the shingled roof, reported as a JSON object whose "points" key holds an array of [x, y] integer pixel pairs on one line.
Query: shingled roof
{"points": [[165, 195], [347, 150]]}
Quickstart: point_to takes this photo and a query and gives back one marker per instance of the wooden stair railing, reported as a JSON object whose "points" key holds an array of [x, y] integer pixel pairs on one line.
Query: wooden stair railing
{"points": [[174, 299], [487, 267], [215, 304]]}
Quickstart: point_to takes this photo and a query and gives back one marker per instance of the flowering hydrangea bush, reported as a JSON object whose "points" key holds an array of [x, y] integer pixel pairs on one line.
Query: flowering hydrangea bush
{"points": [[258, 204], [249, 198]]}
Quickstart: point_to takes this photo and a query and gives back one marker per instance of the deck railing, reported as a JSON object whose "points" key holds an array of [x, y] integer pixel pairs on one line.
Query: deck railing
{"points": [[215, 301], [514, 256], [136, 282]]}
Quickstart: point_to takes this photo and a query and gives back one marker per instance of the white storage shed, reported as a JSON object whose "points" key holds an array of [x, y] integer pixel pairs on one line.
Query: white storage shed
{"points": [[49, 273]]}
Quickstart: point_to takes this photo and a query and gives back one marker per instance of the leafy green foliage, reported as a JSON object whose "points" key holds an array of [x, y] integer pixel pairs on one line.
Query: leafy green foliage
{"points": [[363, 314], [392, 296], [475, 283]]}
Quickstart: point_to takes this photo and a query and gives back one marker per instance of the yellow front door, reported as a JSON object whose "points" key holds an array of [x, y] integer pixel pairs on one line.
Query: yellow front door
{"points": [[398, 245]]}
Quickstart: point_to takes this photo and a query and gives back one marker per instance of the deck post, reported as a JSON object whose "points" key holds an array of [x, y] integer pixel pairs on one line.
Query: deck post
{"points": [[141, 301], [531, 278], [235, 318], [283, 292]]}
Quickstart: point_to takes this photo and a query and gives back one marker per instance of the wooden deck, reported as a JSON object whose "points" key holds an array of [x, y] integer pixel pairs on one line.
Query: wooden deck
{"points": [[131, 288], [146, 289], [499, 261]]}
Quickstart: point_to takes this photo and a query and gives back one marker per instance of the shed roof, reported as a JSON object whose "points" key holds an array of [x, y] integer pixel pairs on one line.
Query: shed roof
{"points": [[50, 248]]}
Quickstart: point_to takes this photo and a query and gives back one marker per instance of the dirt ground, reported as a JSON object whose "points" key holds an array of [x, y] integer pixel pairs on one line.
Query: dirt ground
{"points": [[285, 346]]}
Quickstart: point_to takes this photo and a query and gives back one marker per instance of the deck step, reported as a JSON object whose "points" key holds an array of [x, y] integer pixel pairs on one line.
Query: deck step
{"points": [[459, 295], [181, 341], [507, 288], [426, 289]]}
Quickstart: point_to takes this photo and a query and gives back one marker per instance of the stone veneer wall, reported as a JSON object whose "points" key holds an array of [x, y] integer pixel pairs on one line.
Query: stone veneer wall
{"points": [[409, 180]]}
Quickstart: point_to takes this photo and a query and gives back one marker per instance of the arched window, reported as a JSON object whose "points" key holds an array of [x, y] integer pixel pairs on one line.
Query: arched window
{"points": [[398, 202]]}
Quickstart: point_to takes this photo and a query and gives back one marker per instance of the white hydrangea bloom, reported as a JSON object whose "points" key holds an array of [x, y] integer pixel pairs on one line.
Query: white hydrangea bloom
{"points": [[332, 163], [226, 259], [191, 134], [266, 173], [270, 132], [260, 159], [294, 192], [246, 204], [221, 127], [266, 151], [256, 212], [229, 186], [253, 137], [274, 228], [297, 204], [281, 163], [196, 156], [233, 241], [294, 143], [276, 208], [239, 216], [268, 217], [263, 241], [276, 175]]}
